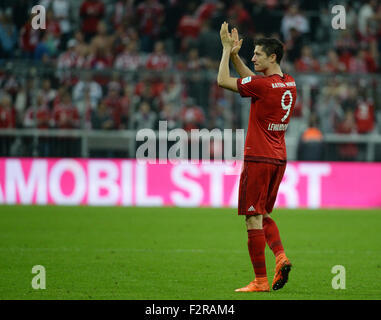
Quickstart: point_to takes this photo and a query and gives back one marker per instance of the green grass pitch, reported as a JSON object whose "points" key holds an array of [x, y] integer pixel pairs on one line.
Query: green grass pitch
{"points": [[177, 253]]}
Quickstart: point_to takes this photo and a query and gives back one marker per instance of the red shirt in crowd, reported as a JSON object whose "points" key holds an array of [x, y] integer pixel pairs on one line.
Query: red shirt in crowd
{"points": [[39, 118], [66, 116], [307, 64], [189, 26], [7, 118], [114, 103], [91, 11], [364, 116], [149, 13], [29, 38], [158, 61], [192, 117]]}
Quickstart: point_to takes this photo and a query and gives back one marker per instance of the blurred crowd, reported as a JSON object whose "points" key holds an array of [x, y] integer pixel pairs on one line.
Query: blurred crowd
{"points": [[125, 64]]}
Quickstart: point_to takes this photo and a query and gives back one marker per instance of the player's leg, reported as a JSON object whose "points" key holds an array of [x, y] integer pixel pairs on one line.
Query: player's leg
{"points": [[272, 235], [283, 264], [256, 245], [251, 204]]}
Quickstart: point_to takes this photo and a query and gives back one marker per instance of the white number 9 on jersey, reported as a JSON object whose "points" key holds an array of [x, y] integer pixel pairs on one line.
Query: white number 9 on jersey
{"points": [[286, 106]]}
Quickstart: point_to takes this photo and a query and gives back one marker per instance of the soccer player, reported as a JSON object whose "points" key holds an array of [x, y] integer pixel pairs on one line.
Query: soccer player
{"points": [[273, 97]]}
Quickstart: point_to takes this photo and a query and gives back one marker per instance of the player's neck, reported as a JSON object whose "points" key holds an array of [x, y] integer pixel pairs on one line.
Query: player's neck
{"points": [[273, 70]]}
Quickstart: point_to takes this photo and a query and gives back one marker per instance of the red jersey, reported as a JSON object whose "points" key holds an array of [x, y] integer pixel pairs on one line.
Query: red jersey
{"points": [[272, 103]]}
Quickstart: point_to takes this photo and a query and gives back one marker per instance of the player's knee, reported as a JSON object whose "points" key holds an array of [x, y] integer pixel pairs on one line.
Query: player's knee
{"points": [[254, 222]]}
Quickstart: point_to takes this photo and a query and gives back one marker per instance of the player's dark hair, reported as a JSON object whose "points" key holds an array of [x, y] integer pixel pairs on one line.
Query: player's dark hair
{"points": [[270, 46]]}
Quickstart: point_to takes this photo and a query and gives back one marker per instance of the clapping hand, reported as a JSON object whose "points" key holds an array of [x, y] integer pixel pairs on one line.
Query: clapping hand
{"points": [[237, 44], [226, 38]]}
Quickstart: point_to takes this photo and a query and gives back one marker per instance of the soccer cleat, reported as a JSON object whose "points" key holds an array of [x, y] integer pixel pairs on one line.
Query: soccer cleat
{"points": [[282, 269], [258, 285]]}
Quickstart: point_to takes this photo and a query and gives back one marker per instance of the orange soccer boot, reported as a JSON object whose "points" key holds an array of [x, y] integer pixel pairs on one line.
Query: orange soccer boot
{"points": [[282, 269], [258, 285]]}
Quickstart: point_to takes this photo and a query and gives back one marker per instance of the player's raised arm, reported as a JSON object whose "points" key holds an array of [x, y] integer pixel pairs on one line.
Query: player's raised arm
{"points": [[238, 64], [224, 79]]}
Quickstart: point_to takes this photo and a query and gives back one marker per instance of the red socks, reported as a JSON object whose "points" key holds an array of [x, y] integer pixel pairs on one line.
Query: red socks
{"points": [[256, 244], [272, 236]]}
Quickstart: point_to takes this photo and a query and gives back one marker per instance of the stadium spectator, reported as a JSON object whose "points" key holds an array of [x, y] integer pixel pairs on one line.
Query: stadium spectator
{"points": [[144, 118], [129, 59], [172, 92], [219, 115], [46, 49], [91, 12], [205, 10], [102, 39], [10, 84], [7, 113], [87, 84], [311, 144], [124, 10], [65, 114], [307, 62], [124, 35], [188, 28], [358, 63], [364, 116], [67, 60], [294, 45], [349, 99], [169, 114], [29, 38], [159, 60], [150, 16], [23, 99], [102, 118], [127, 100], [366, 13], [113, 101], [351, 16], [85, 106], [38, 116], [240, 17], [52, 25], [8, 35], [209, 43], [99, 58], [191, 115], [197, 86], [293, 18], [145, 91], [62, 10], [7, 121], [46, 93], [333, 63], [347, 151]]}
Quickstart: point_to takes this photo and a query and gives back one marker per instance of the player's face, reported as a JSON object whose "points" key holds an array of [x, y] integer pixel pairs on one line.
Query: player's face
{"points": [[260, 59]]}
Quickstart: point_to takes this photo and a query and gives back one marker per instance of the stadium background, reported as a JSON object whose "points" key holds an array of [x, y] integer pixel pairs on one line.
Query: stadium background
{"points": [[104, 69]]}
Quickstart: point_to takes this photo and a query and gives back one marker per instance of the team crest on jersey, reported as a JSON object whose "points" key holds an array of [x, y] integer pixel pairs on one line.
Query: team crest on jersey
{"points": [[245, 80]]}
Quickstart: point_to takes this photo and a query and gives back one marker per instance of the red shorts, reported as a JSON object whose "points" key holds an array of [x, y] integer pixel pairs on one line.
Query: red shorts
{"points": [[258, 187]]}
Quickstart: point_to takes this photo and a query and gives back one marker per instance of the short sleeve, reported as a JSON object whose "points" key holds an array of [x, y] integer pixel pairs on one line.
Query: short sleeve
{"points": [[252, 86]]}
